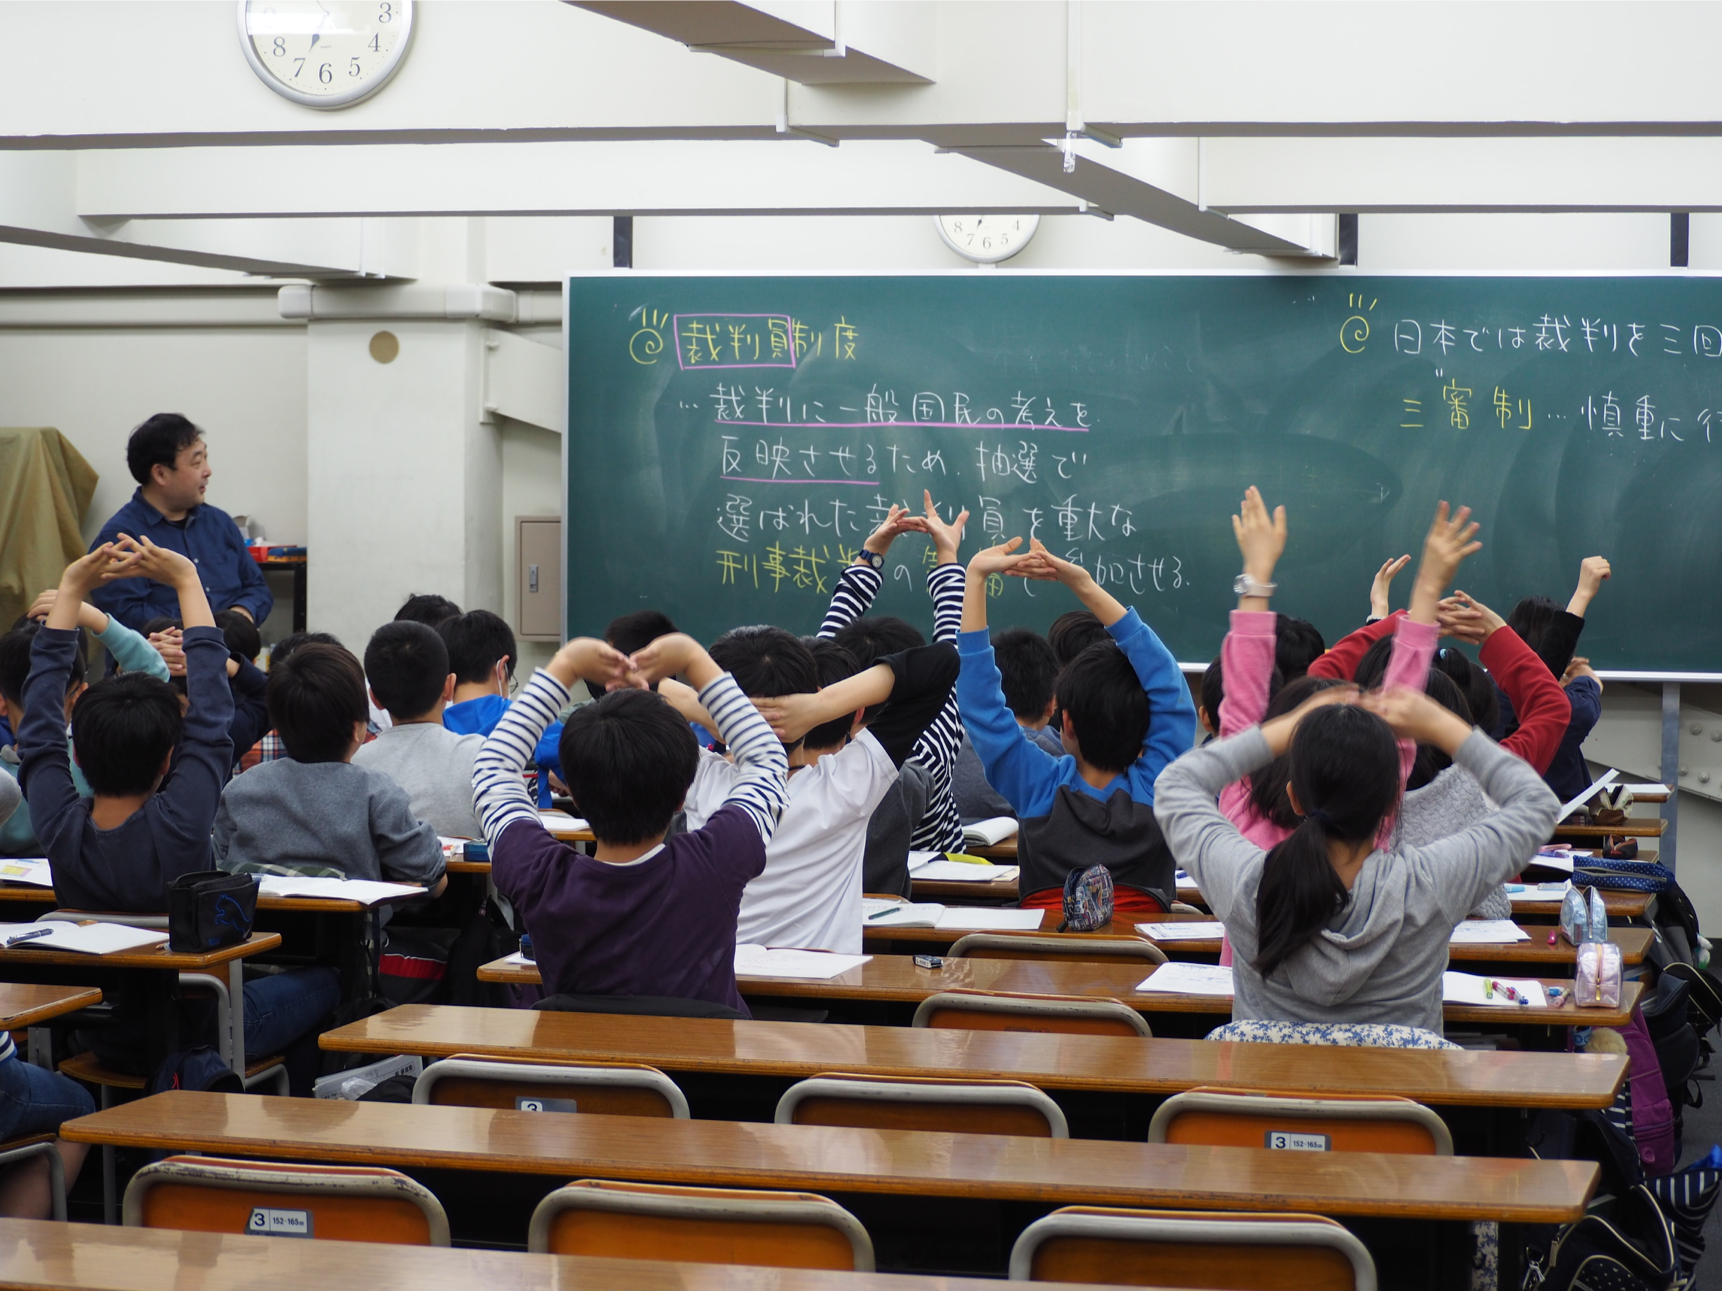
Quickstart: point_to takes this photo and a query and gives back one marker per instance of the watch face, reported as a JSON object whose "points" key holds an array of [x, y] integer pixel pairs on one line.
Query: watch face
{"points": [[986, 239], [325, 53]]}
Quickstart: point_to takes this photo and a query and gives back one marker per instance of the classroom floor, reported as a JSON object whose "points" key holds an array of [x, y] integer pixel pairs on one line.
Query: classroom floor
{"points": [[1703, 1126]]}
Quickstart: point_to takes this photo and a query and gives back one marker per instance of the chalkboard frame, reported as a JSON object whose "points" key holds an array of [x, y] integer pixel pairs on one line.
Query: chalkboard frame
{"points": [[1322, 272]]}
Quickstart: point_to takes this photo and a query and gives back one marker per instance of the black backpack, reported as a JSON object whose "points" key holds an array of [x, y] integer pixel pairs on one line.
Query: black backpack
{"points": [[1630, 1250]]}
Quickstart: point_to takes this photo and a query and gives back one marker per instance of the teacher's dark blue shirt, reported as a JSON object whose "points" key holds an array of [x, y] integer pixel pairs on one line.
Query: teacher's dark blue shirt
{"points": [[209, 539]]}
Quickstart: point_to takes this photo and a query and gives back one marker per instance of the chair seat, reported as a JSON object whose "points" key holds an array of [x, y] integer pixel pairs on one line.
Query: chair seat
{"points": [[85, 1067]]}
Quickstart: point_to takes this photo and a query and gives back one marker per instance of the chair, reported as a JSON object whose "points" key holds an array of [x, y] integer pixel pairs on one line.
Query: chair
{"points": [[1247, 1118], [699, 1225], [625, 1089], [1187, 1248], [13, 1151], [1002, 1011], [923, 1103], [995, 945], [345, 1203]]}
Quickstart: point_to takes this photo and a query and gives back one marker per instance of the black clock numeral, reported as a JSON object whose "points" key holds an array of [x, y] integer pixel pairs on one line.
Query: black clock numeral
{"points": [[326, 73], [385, 11]]}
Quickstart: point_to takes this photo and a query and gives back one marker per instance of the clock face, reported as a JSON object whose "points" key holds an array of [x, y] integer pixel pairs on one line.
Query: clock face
{"points": [[986, 239], [325, 53]]}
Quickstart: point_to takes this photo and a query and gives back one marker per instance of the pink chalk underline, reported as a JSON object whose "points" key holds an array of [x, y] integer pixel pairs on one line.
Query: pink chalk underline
{"points": [[931, 425], [795, 479]]}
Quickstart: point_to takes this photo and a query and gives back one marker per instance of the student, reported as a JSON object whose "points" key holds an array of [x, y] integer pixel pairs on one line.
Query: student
{"points": [[156, 774], [131, 652], [1125, 713], [643, 915], [420, 607], [406, 664], [314, 812], [269, 747], [1329, 927], [1073, 632], [250, 710], [870, 639], [482, 655], [1297, 645], [809, 894], [1028, 670]]}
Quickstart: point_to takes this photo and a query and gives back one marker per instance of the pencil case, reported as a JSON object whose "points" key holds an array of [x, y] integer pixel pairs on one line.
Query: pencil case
{"points": [[208, 909], [1598, 977]]}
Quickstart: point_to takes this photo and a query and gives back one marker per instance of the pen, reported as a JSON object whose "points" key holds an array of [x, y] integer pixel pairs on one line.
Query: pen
{"points": [[28, 936], [880, 914], [1491, 986]]}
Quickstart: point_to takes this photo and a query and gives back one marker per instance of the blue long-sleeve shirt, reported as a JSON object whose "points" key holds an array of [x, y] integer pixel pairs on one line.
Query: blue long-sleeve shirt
{"points": [[1067, 822], [209, 539], [1568, 775]]}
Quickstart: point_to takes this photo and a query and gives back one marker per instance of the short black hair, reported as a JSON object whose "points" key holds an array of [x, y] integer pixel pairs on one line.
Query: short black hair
{"points": [[1073, 632], [1296, 645], [1213, 692], [835, 664], [1531, 618], [766, 661], [123, 728], [873, 636], [477, 641], [1029, 669], [314, 698], [631, 632], [158, 442], [427, 608], [241, 634], [285, 647], [1108, 709], [628, 760], [407, 665], [15, 664]]}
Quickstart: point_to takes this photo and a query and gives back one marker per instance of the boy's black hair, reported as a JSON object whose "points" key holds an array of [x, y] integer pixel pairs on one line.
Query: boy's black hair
{"points": [[835, 664], [628, 760], [15, 665], [285, 647], [407, 666], [1073, 632], [1108, 709], [631, 632], [1029, 670], [241, 634], [476, 641], [873, 636], [158, 442], [123, 728], [427, 608], [1531, 618], [314, 698], [767, 661], [1296, 645]]}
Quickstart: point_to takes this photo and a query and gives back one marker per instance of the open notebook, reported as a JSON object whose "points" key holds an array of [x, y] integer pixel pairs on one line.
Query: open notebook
{"points": [[364, 891], [87, 938]]}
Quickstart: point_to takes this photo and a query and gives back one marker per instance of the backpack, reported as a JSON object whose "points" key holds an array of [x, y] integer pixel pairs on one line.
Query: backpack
{"points": [[1647, 1112], [413, 968], [199, 1068], [1087, 899], [1687, 1199], [1631, 1250]]}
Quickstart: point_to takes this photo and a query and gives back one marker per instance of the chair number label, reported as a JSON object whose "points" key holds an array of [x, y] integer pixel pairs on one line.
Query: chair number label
{"points": [[525, 1104], [1294, 1141], [266, 1221]]}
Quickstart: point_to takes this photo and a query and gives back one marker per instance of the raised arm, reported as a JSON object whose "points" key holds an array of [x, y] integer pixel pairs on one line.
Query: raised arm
{"points": [[131, 652], [1200, 837], [1539, 703], [945, 578], [859, 582], [1247, 654]]}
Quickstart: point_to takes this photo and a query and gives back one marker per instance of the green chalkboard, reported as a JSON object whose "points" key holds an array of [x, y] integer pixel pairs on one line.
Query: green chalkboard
{"points": [[732, 439]]}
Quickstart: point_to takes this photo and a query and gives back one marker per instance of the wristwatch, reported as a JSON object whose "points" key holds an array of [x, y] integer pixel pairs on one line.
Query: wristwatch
{"points": [[872, 559], [1244, 585]]}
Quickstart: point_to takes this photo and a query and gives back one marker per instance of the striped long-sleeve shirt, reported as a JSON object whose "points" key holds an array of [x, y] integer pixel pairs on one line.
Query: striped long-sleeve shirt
{"points": [[663, 924], [941, 828]]}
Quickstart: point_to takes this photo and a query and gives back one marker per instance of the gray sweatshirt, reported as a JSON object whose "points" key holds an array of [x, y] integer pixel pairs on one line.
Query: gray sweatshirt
{"points": [[434, 766], [323, 818], [1381, 957], [1445, 806]]}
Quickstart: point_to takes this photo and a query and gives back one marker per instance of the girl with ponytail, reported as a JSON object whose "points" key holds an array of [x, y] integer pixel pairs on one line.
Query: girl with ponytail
{"points": [[1329, 926]]}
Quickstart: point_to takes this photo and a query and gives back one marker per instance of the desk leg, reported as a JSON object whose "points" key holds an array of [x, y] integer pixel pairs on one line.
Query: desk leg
{"points": [[236, 1014]]}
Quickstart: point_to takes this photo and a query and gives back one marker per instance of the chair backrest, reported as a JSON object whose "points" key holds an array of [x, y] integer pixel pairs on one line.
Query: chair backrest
{"points": [[1192, 1249], [1003, 1011], [622, 1089], [923, 1103], [345, 1203], [797, 1230], [997, 945], [1248, 1118]]}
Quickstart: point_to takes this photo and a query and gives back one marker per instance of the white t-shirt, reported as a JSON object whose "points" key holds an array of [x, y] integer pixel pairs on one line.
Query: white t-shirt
{"points": [[809, 894]]}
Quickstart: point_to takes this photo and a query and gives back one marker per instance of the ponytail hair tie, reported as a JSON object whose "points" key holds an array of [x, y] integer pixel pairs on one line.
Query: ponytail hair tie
{"points": [[1322, 816]]}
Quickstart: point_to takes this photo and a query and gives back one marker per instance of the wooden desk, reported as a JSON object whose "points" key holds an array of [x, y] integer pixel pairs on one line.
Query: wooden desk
{"points": [[1002, 852], [467, 867], [1635, 827], [25, 1005], [43, 1256], [817, 1158], [1158, 1067], [1002, 891], [895, 979], [22, 894]]}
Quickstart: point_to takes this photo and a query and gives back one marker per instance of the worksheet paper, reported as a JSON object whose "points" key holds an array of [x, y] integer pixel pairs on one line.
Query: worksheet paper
{"points": [[964, 872], [1194, 930], [1179, 978], [88, 938], [987, 833], [560, 822], [756, 961], [1488, 931], [971, 919], [1467, 988], [877, 912], [364, 891], [27, 869]]}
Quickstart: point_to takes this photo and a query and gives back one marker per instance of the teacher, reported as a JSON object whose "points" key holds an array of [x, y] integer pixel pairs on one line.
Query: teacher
{"points": [[168, 459]]}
